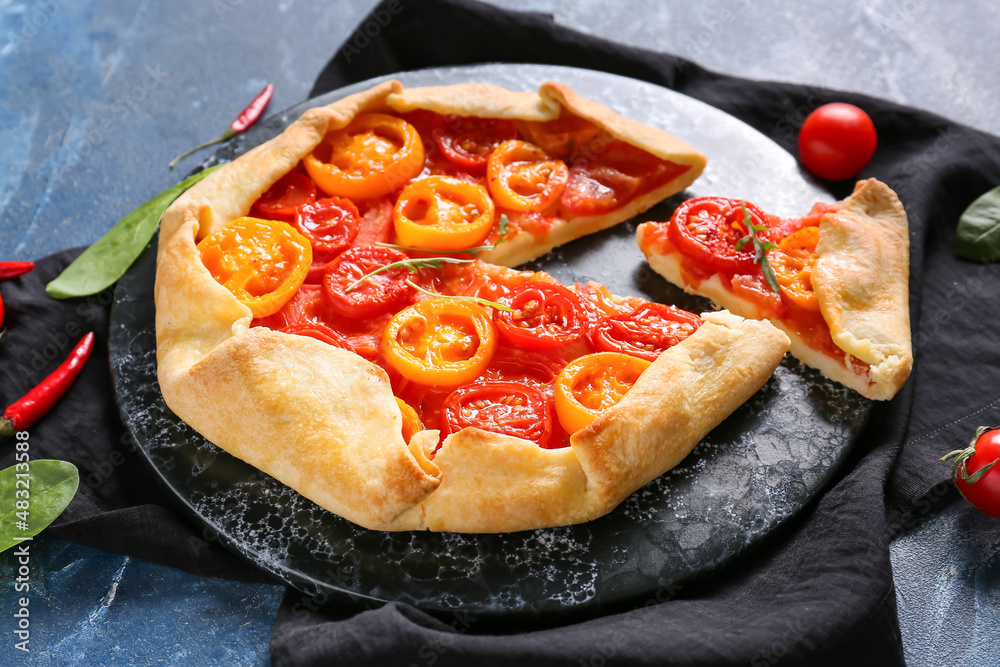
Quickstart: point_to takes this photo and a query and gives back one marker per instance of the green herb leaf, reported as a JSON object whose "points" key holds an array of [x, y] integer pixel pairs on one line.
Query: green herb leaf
{"points": [[760, 249], [108, 259], [485, 302], [49, 486], [413, 264], [978, 234]]}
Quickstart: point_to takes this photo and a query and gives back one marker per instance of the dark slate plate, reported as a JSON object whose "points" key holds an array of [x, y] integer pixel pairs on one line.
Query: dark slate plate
{"points": [[752, 472]]}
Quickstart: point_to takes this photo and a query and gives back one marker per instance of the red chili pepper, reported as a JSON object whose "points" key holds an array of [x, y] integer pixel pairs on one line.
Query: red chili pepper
{"points": [[12, 270], [25, 412], [243, 122], [15, 269]]}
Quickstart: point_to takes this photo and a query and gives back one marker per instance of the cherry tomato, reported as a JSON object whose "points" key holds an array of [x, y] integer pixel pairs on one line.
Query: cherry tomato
{"points": [[646, 332], [467, 141], [837, 141], [564, 135], [281, 200], [707, 229], [320, 332], [377, 294], [262, 262], [546, 316], [329, 224], [411, 421], [374, 155], [793, 265], [523, 177], [612, 177], [593, 383], [505, 408], [443, 341], [980, 488], [443, 213]]}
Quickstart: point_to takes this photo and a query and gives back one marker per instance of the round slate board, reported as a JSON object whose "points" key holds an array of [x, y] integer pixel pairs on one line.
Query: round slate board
{"points": [[753, 471]]}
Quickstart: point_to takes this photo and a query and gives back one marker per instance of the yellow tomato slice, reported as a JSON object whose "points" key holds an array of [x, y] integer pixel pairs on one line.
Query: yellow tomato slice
{"points": [[373, 156], [262, 262], [593, 383], [523, 177], [440, 342], [793, 264], [443, 213], [411, 421]]}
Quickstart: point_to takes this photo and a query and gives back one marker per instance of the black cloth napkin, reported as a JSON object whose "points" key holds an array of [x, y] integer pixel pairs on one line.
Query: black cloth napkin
{"points": [[819, 591]]}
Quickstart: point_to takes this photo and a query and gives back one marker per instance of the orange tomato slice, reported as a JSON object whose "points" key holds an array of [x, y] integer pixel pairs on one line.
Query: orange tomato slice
{"points": [[523, 177], [262, 262], [793, 264], [411, 421], [440, 342], [371, 157], [593, 383], [443, 213]]}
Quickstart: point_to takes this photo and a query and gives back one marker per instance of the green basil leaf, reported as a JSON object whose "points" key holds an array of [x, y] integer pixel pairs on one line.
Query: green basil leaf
{"points": [[108, 259], [978, 234], [49, 486]]}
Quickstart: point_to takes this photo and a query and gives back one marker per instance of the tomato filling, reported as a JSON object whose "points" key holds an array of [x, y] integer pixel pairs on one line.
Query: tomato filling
{"points": [[441, 184], [796, 238]]}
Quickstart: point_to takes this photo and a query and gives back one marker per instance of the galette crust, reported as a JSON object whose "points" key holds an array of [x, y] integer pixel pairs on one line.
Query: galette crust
{"points": [[324, 421], [861, 279]]}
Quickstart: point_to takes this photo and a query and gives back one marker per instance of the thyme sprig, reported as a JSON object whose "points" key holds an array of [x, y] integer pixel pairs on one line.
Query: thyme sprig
{"points": [[760, 249], [484, 302], [412, 264], [468, 251]]}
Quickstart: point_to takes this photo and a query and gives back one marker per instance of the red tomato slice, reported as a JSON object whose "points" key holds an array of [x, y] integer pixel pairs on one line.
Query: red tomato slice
{"points": [[514, 364], [707, 229], [320, 332], [612, 177], [305, 306], [378, 294], [329, 224], [505, 408], [281, 200], [376, 222], [547, 316], [467, 141], [645, 332]]}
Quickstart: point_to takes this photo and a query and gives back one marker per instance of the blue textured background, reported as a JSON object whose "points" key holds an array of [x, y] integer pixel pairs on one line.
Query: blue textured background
{"points": [[96, 98]]}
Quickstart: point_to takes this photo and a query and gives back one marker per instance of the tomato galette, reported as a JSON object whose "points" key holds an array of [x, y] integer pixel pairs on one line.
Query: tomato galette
{"points": [[840, 277], [331, 308]]}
